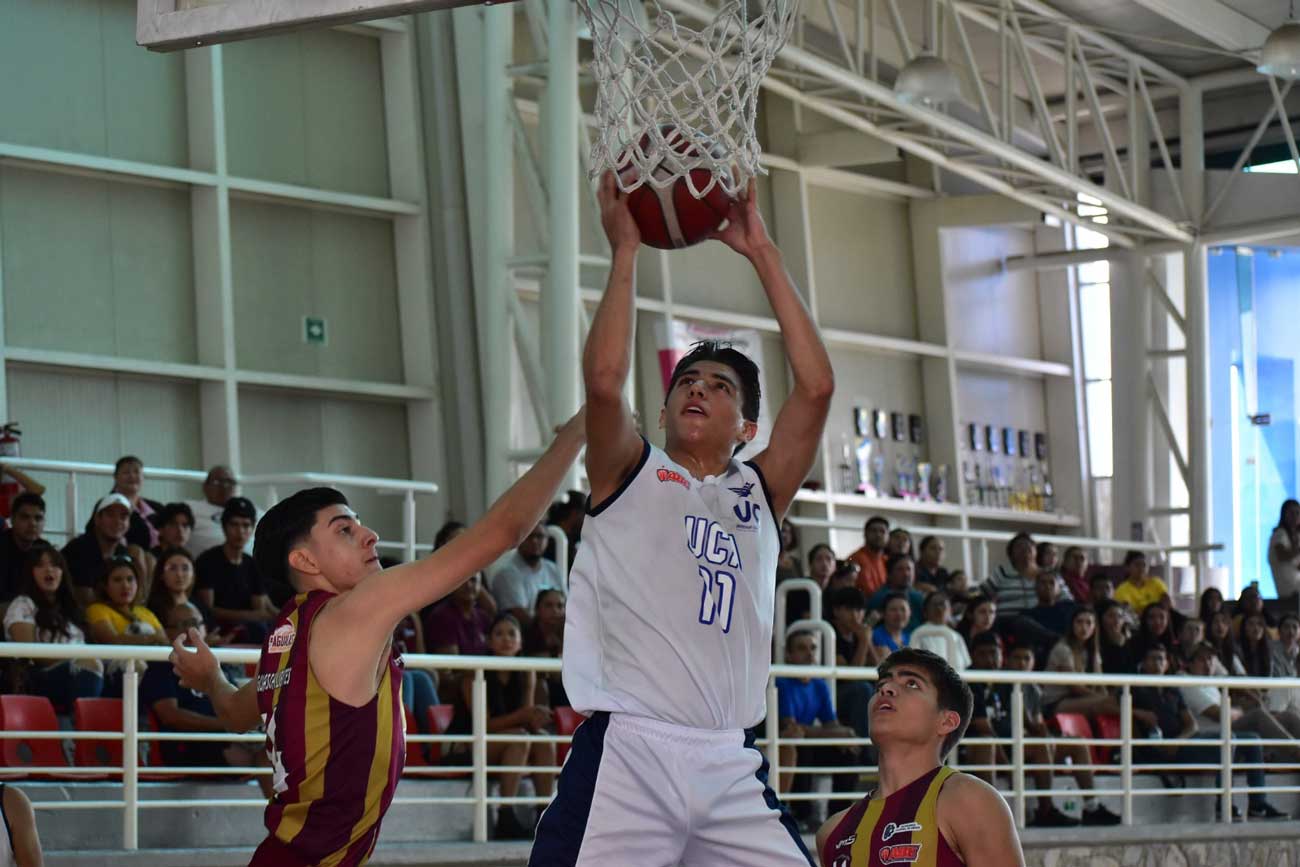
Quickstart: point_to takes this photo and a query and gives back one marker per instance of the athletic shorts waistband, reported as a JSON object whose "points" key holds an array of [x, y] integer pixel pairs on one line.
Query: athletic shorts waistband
{"points": [[673, 733]]}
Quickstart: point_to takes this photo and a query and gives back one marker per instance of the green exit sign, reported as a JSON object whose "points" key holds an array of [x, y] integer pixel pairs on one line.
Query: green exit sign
{"points": [[313, 330]]}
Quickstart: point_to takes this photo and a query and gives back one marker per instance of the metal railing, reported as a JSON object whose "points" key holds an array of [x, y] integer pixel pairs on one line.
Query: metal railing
{"points": [[272, 484], [477, 794]]}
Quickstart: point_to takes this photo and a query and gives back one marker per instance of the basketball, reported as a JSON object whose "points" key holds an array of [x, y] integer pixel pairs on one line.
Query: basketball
{"points": [[671, 217]]}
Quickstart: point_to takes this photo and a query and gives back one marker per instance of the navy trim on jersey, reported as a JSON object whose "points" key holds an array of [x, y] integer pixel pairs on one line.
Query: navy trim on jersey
{"points": [[770, 798], [767, 493], [609, 501], [564, 823]]}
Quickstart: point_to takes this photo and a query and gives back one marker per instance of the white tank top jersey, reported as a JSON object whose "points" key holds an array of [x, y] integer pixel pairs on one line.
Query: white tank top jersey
{"points": [[671, 598]]}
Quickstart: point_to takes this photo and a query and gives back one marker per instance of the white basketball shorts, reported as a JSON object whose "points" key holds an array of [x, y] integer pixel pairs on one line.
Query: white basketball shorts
{"points": [[644, 793]]}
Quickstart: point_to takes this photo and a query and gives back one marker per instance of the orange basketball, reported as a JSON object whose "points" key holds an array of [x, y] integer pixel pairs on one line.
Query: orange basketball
{"points": [[671, 217]]}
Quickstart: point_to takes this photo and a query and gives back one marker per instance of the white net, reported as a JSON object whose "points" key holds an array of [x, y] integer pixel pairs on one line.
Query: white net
{"points": [[675, 101]]}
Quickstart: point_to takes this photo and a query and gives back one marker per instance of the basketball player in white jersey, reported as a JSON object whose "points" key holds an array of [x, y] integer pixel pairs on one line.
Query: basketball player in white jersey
{"points": [[21, 845], [668, 629]]}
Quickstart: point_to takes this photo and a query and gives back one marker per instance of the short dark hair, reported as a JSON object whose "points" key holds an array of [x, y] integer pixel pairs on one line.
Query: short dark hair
{"points": [[1134, 555], [27, 498], [795, 634], [952, 692], [1016, 538], [445, 532], [124, 460], [894, 560], [238, 507], [876, 519], [723, 352], [168, 513], [986, 637], [890, 597], [1204, 648], [284, 526], [926, 541], [847, 597], [932, 597]]}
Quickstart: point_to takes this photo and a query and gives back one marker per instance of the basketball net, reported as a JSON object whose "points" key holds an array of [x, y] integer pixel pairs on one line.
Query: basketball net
{"points": [[674, 101]]}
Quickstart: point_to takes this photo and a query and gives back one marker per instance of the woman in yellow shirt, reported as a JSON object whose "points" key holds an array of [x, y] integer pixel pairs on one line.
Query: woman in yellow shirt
{"points": [[1139, 589], [116, 617]]}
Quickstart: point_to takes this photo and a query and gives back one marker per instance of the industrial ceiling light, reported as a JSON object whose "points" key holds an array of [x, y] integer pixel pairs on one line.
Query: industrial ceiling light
{"points": [[927, 79], [1280, 56]]}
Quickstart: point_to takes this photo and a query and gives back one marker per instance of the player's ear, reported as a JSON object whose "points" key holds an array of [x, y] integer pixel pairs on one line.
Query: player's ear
{"points": [[663, 418], [301, 560], [949, 720], [748, 430]]}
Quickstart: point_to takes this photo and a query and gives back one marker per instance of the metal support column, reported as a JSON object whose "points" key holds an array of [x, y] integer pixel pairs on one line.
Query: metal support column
{"points": [[1192, 129], [559, 300]]}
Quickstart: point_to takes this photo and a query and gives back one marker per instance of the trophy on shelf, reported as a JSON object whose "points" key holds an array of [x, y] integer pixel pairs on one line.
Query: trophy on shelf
{"points": [[941, 484], [996, 487], [970, 469], [880, 421], [1040, 454], [903, 479], [923, 469], [863, 450], [846, 477]]}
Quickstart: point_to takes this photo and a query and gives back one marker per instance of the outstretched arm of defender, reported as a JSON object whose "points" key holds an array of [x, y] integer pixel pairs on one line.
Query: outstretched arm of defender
{"points": [[352, 632], [613, 444], [978, 823], [798, 428]]}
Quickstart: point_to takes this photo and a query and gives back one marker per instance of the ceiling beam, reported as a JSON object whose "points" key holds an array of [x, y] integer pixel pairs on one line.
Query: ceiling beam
{"points": [[1212, 20]]}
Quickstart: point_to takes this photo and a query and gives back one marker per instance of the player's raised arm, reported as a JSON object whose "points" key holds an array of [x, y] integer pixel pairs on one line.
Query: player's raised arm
{"points": [[352, 632], [613, 445], [798, 428]]}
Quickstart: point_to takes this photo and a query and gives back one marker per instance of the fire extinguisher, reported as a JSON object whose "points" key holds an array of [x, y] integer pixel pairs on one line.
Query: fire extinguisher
{"points": [[9, 487]]}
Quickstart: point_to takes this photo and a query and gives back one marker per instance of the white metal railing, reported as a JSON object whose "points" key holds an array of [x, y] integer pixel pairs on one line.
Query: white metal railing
{"points": [[478, 793], [271, 483]]}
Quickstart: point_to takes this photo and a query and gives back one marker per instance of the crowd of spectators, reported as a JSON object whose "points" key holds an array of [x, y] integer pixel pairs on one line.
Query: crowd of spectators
{"points": [[1044, 609]]}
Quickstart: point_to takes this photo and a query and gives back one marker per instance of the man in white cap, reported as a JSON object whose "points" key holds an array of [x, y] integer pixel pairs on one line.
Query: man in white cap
{"points": [[105, 538]]}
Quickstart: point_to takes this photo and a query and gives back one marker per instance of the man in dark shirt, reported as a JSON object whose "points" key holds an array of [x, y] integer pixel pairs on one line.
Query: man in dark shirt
{"points": [[106, 538], [228, 581], [180, 709], [1052, 612], [26, 523]]}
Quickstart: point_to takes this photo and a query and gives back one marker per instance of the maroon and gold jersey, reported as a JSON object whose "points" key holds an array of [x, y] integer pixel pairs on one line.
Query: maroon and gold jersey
{"points": [[902, 829], [335, 766]]}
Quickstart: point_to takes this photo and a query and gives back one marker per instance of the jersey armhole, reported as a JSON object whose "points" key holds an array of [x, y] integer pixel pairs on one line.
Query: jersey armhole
{"points": [[767, 494], [593, 511]]}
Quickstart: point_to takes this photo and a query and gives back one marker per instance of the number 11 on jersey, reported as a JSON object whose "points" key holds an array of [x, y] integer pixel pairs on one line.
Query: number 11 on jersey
{"points": [[717, 597]]}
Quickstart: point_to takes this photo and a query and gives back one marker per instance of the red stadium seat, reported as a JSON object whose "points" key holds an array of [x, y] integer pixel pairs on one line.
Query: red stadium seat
{"points": [[1073, 725], [414, 750], [567, 721], [440, 717], [30, 713], [1107, 727], [97, 715]]}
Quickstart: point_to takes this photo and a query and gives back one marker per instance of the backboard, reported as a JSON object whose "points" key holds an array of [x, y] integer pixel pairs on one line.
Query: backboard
{"points": [[166, 25]]}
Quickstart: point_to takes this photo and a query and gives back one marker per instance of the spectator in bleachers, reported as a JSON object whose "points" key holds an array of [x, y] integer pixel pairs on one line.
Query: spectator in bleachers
{"points": [[821, 566], [805, 711], [128, 479], [26, 485], [179, 709], [900, 574], [117, 617], [936, 636], [568, 514], [26, 524], [106, 538], [1284, 552], [1203, 702], [1263, 657], [930, 574], [45, 611], [524, 575], [959, 593], [900, 542], [20, 822], [789, 564], [846, 610], [845, 575], [1211, 602], [1094, 813], [175, 523], [1139, 589], [448, 531], [1013, 585], [894, 631], [1074, 571], [1219, 635], [1101, 590], [1116, 640], [1155, 627], [1250, 603], [461, 625], [545, 637], [991, 718], [1190, 635], [228, 579], [513, 708], [1078, 652], [871, 556], [1284, 661], [1048, 558], [1173, 720], [1052, 612], [218, 488], [419, 686], [981, 615], [173, 584]]}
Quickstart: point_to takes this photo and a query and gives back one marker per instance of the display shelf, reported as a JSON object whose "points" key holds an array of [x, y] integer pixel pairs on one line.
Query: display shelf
{"points": [[879, 504], [1013, 516]]}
